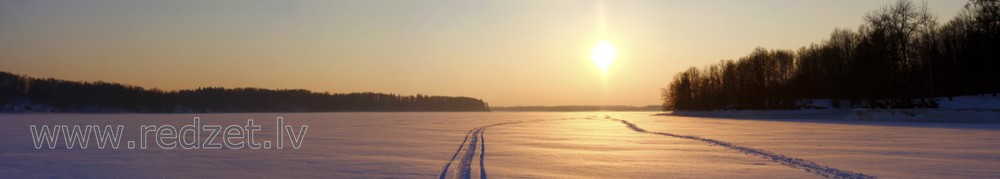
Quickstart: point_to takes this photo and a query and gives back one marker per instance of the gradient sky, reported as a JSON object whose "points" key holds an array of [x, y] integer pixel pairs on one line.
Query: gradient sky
{"points": [[530, 52]]}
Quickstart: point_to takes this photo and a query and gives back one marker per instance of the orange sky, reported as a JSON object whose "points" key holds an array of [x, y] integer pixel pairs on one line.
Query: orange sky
{"points": [[529, 52]]}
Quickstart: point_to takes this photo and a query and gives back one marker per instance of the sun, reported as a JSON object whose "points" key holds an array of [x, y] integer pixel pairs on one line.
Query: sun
{"points": [[603, 55]]}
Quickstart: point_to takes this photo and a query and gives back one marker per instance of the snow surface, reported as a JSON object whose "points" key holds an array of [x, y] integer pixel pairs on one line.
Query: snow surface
{"points": [[885, 149], [526, 145], [977, 108], [984, 101]]}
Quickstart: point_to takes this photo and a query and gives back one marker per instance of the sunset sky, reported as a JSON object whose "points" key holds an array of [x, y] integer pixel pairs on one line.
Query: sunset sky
{"points": [[531, 52]]}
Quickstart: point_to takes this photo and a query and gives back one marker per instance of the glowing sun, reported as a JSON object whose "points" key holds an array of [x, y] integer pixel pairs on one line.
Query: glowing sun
{"points": [[603, 55]]}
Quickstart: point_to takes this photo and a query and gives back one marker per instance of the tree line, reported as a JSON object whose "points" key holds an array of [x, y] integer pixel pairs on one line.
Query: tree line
{"points": [[26, 94], [899, 58]]}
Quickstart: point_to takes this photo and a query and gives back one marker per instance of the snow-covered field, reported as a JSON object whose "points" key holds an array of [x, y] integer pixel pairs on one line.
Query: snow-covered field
{"points": [[521, 144]]}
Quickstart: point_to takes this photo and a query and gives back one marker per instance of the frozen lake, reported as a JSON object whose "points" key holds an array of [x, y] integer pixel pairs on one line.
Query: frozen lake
{"points": [[520, 145]]}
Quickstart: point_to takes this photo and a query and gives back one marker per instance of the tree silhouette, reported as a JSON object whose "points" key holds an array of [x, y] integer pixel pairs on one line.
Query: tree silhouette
{"points": [[900, 58]]}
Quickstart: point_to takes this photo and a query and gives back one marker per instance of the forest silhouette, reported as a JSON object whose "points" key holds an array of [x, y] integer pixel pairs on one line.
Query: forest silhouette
{"points": [[25, 94], [899, 58]]}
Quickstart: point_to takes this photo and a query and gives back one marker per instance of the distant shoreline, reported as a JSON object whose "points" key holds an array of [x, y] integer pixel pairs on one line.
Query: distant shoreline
{"points": [[577, 108], [24, 94]]}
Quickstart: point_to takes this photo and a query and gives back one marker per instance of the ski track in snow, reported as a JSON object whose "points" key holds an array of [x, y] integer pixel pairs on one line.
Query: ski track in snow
{"points": [[793, 162], [465, 165], [468, 150], [482, 154], [477, 135], [447, 165]]}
